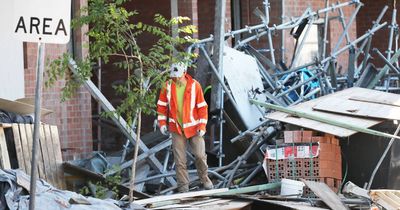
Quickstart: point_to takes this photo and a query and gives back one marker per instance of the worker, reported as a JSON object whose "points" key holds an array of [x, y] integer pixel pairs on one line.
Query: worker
{"points": [[182, 102]]}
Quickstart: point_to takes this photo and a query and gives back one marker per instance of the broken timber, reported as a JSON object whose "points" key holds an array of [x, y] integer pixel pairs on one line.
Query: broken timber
{"points": [[119, 121]]}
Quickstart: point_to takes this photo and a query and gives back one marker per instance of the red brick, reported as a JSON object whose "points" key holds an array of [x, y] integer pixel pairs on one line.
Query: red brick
{"points": [[307, 136], [317, 139]]}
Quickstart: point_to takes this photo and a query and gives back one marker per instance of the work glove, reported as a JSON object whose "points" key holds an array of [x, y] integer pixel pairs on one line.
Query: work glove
{"points": [[164, 130], [201, 133]]}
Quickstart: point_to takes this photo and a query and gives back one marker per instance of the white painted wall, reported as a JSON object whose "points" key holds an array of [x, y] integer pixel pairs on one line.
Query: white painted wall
{"points": [[11, 57]]}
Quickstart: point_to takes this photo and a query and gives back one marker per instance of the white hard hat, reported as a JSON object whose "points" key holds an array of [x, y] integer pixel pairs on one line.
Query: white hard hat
{"points": [[177, 70]]}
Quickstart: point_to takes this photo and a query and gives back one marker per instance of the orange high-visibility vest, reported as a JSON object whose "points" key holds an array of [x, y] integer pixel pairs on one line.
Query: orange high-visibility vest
{"points": [[195, 113]]}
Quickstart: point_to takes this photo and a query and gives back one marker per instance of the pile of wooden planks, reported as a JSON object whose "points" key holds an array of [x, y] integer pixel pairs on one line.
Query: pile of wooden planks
{"points": [[49, 151]]}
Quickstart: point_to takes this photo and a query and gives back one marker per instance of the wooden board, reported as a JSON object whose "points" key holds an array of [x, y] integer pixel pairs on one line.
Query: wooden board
{"points": [[20, 107], [326, 128], [44, 155], [359, 108], [49, 159], [389, 199], [57, 155], [179, 196], [18, 147], [326, 194], [29, 135], [26, 148], [323, 127], [379, 100], [4, 158], [51, 154]]}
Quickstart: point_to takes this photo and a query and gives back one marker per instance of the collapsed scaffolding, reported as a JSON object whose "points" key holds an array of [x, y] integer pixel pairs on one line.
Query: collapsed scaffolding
{"points": [[282, 85]]}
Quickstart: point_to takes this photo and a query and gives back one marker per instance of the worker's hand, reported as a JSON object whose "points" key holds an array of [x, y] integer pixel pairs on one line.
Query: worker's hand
{"points": [[164, 130], [201, 133]]}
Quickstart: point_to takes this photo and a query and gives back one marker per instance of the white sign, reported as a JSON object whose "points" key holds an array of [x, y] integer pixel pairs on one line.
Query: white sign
{"points": [[46, 21], [11, 57]]}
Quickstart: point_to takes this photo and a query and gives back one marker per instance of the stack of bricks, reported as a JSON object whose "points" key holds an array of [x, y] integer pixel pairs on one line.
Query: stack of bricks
{"points": [[326, 167]]}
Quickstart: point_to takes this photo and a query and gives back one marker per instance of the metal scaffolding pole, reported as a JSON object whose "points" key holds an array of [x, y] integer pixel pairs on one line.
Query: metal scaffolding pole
{"points": [[346, 29], [270, 44], [390, 44], [283, 32], [262, 28], [217, 93], [325, 41]]}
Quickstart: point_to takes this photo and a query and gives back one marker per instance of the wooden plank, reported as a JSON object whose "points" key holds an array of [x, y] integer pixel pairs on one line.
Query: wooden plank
{"points": [[51, 155], [326, 194], [179, 196], [359, 108], [25, 147], [323, 127], [20, 107], [4, 158], [57, 155], [337, 131], [44, 155], [40, 170], [5, 125], [393, 197], [18, 147], [386, 201], [379, 100]]}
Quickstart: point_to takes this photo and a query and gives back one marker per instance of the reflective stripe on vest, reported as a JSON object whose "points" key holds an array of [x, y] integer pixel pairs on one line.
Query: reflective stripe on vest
{"points": [[162, 103], [161, 117], [199, 105], [193, 123], [192, 101], [169, 94]]}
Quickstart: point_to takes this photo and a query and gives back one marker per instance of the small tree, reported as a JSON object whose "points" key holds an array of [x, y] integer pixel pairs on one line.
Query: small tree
{"points": [[113, 34]]}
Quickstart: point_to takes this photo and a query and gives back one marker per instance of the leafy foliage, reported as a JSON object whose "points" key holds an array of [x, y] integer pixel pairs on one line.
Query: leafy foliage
{"points": [[113, 33], [100, 189]]}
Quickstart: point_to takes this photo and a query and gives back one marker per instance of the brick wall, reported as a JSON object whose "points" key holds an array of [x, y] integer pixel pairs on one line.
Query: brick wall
{"points": [[73, 117], [189, 8], [367, 15], [206, 15]]}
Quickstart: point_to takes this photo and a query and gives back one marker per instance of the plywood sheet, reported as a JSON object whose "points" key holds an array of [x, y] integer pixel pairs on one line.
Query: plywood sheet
{"points": [[359, 108], [378, 100], [18, 147], [20, 107], [323, 127]]}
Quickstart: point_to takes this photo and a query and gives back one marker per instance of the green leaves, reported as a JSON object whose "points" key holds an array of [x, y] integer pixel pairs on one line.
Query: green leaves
{"points": [[113, 34]]}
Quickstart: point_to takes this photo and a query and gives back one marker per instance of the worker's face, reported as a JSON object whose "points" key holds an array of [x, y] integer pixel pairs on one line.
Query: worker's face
{"points": [[175, 79]]}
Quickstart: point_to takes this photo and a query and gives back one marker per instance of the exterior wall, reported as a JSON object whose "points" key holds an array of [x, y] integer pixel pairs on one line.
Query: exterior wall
{"points": [[72, 117], [365, 18], [206, 14], [189, 8]]}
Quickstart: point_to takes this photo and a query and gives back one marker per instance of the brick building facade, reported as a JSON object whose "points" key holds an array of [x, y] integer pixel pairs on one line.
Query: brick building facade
{"points": [[72, 117]]}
